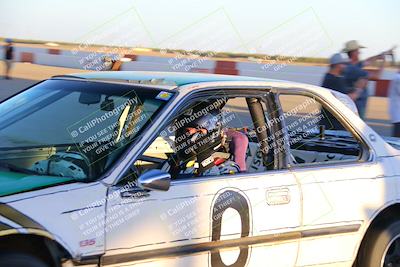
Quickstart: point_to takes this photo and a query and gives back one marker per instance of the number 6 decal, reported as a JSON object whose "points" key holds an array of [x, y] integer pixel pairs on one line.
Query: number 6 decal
{"points": [[234, 200]]}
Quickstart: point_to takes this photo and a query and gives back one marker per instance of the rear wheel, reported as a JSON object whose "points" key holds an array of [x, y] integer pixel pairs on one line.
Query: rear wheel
{"points": [[382, 246], [392, 253], [17, 259]]}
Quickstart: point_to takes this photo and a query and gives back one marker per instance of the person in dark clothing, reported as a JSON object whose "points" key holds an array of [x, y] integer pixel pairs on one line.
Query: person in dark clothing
{"points": [[8, 56], [334, 80], [354, 71]]}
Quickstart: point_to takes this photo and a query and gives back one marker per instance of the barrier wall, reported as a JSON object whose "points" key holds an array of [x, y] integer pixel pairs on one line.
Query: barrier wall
{"points": [[180, 63]]}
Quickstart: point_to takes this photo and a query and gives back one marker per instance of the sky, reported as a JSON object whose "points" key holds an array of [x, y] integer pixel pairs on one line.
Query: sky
{"points": [[288, 27]]}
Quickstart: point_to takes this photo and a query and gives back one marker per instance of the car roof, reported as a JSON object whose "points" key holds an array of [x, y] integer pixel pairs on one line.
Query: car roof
{"points": [[172, 79], [185, 82]]}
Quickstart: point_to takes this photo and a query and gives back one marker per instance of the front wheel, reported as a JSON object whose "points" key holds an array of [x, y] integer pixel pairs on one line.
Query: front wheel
{"points": [[382, 246], [16, 259]]}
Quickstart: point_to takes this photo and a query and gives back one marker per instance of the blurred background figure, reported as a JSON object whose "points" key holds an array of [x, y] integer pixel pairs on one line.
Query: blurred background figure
{"points": [[394, 103], [334, 79], [8, 57], [356, 76]]}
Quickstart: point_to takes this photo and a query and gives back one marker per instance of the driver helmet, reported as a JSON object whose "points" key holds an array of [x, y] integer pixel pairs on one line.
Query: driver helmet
{"points": [[198, 137]]}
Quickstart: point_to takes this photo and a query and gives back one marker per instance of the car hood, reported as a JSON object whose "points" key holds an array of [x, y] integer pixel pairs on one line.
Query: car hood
{"points": [[13, 183]]}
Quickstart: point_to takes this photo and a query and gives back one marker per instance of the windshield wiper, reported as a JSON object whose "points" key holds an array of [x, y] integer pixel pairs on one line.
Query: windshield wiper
{"points": [[12, 167]]}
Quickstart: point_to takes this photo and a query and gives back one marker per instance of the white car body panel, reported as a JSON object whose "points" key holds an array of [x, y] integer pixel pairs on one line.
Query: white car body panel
{"points": [[319, 198], [341, 196], [192, 201], [70, 215]]}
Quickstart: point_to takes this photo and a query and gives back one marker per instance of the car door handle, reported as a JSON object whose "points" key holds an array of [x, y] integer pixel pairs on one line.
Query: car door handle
{"points": [[134, 193], [278, 196]]}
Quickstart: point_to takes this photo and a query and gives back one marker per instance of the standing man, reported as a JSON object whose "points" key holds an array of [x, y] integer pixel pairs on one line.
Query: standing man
{"points": [[8, 56], [354, 72], [334, 80], [394, 103]]}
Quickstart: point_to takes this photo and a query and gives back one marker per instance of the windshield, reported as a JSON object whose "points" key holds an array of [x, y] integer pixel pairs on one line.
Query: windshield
{"points": [[73, 128]]}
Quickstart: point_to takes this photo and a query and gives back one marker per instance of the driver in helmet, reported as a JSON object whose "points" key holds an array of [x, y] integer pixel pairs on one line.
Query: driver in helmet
{"points": [[204, 148]]}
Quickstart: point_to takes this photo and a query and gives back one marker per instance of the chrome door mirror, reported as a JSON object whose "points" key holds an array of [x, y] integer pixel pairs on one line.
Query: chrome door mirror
{"points": [[155, 180]]}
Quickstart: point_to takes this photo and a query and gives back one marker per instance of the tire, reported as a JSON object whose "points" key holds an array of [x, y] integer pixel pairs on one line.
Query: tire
{"points": [[381, 247], [16, 259]]}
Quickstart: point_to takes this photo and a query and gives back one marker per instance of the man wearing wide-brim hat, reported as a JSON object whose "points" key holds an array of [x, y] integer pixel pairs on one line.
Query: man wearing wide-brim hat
{"points": [[355, 74]]}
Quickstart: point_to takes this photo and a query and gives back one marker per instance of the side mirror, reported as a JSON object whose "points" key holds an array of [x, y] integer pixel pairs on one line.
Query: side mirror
{"points": [[155, 180]]}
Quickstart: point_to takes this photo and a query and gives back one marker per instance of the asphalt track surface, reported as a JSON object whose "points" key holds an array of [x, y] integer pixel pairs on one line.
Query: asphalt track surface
{"points": [[25, 74]]}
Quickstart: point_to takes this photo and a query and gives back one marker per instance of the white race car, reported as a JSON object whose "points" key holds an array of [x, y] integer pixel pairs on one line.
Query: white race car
{"points": [[179, 169]]}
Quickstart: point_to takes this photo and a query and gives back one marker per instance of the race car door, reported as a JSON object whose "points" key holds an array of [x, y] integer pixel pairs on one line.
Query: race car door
{"points": [[337, 180], [241, 219]]}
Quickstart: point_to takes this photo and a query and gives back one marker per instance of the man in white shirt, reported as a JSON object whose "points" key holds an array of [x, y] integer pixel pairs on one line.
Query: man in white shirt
{"points": [[394, 103]]}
